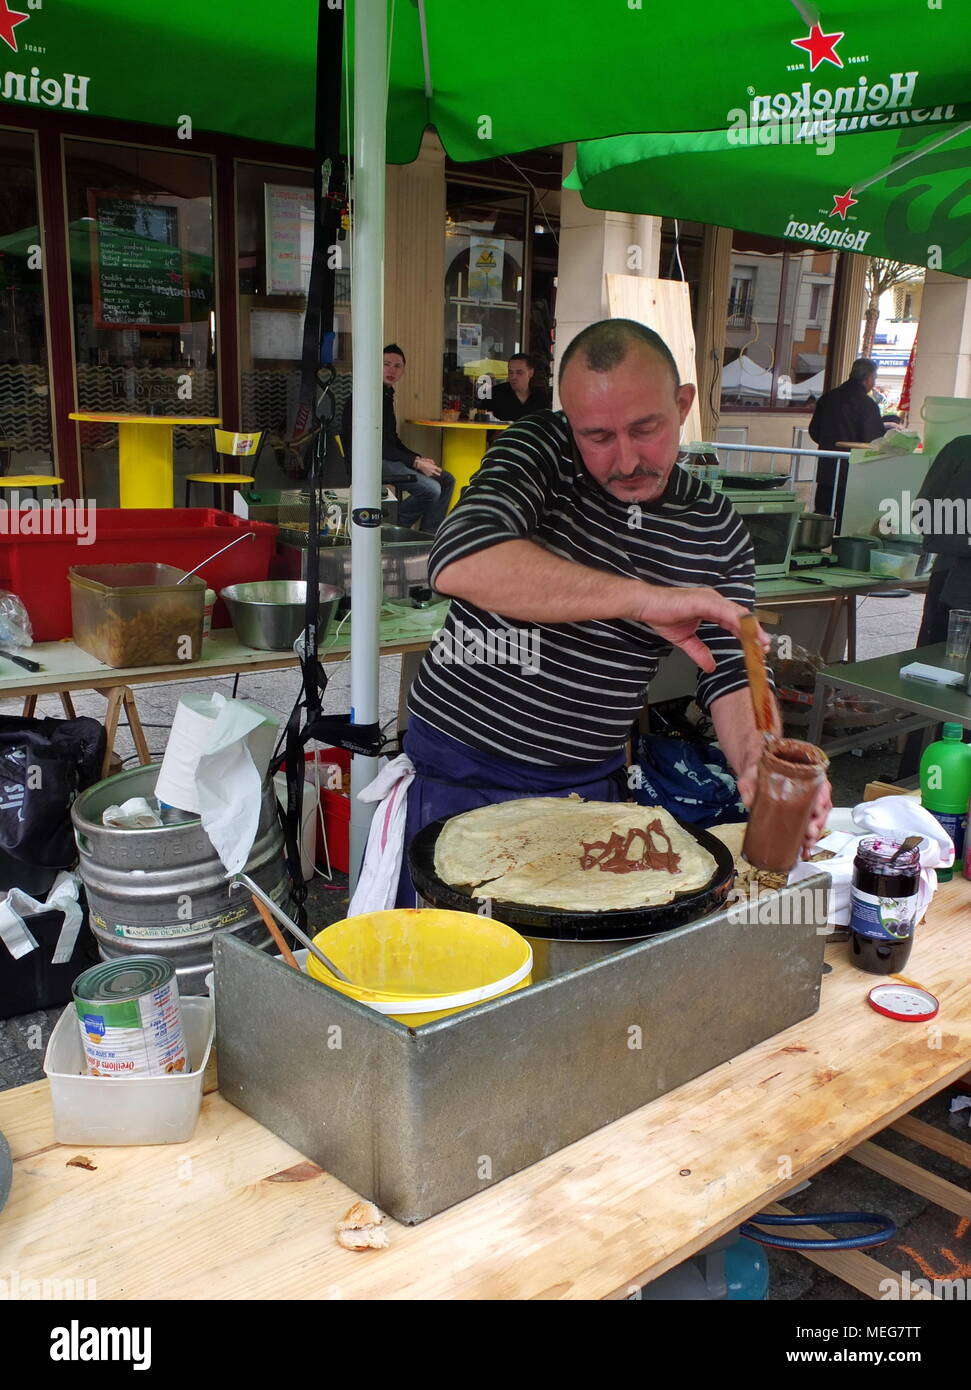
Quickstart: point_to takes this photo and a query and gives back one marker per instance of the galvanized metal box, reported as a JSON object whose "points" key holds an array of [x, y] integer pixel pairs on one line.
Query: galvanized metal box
{"points": [[417, 1120]]}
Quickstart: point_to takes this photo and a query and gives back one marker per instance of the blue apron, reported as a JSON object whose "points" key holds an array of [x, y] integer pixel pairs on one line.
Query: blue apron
{"points": [[451, 777]]}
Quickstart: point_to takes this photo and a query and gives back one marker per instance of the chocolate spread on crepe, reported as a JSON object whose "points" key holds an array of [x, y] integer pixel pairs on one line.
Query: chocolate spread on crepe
{"points": [[532, 851], [614, 856]]}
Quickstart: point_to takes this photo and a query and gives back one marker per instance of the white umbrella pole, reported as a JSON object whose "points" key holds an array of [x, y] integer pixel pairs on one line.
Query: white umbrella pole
{"points": [[367, 326]]}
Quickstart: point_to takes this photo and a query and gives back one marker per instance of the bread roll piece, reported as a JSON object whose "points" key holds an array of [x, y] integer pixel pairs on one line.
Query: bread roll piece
{"points": [[360, 1228], [358, 1216], [371, 1238]]}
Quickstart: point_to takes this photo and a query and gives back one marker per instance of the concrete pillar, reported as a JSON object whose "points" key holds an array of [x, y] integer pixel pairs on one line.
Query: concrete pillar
{"points": [[594, 244], [943, 364]]}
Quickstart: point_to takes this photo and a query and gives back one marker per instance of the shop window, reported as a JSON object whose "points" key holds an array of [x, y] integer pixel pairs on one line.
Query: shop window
{"points": [[275, 233], [485, 274], [25, 419], [778, 325], [140, 240]]}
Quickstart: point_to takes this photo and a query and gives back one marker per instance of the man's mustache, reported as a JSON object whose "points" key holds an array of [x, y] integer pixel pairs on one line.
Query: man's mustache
{"points": [[638, 473]]}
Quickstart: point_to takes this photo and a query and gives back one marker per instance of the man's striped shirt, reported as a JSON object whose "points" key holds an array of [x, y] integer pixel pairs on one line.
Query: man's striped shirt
{"points": [[575, 687]]}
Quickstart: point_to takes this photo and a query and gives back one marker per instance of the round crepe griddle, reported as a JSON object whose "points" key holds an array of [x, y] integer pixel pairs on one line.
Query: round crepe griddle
{"points": [[554, 923]]}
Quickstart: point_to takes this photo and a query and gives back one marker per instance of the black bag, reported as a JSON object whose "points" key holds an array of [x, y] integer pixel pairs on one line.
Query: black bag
{"points": [[32, 981], [44, 763]]}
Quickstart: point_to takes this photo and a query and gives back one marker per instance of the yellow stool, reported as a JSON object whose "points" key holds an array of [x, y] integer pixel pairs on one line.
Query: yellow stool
{"points": [[33, 481], [227, 444]]}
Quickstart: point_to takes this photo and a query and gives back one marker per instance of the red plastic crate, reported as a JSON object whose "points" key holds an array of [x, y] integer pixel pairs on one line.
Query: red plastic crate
{"points": [[35, 567]]}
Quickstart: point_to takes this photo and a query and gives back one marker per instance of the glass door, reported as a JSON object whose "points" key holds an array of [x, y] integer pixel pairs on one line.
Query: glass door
{"points": [[140, 242], [25, 415], [485, 271]]}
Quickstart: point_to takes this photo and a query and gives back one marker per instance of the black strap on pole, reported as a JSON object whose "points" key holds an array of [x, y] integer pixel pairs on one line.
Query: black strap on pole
{"points": [[329, 207]]}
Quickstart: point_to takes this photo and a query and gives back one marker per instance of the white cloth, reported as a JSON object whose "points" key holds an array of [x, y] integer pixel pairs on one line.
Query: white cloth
{"points": [[894, 817], [378, 883], [17, 905], [215, 761], [134, 814]]}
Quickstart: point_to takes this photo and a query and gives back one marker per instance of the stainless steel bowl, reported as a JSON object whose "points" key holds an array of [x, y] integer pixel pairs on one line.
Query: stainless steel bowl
{"points": [[269, 613]]}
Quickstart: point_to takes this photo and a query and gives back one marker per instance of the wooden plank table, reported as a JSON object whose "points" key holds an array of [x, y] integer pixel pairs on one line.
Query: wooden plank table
{"points": [[237, 1213]]}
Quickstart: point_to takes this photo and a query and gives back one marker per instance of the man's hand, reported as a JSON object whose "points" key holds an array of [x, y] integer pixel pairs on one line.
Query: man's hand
{"points": [[427, 466], [675, 614], [821, 807]]}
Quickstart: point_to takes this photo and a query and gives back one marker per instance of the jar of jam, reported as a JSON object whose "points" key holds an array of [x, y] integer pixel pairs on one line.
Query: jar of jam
{"points": [[883, 905], [790, 775]]}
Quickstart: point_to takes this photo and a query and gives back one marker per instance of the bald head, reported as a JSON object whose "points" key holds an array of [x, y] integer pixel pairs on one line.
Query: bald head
{"points": [[620, 393], [603, 346]]}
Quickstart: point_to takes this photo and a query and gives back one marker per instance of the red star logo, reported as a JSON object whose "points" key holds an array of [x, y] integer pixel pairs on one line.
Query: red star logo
{"points": [[9, 19], [842, 201], [820, 47]]}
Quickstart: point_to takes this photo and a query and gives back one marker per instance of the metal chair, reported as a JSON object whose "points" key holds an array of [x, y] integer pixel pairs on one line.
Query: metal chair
{"points": [[228, 444]]}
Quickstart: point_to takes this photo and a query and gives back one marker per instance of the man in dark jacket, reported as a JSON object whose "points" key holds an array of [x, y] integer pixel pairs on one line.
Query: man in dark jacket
{"points": [[942, 515], [517, 397], [844, 415], [428, 487]]}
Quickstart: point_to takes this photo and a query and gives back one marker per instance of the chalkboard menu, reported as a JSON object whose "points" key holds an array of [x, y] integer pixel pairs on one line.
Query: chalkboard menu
{"points": [[139, 273]]}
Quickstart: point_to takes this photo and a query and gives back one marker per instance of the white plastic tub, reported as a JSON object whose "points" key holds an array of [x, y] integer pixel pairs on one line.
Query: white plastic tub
{"points": [[95, 1110]]}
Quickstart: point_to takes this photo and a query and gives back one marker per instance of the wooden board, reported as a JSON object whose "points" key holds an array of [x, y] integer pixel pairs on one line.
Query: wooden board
{"points": [[949, 1145], [236, 1213], [916, 1179], [665, 306]]}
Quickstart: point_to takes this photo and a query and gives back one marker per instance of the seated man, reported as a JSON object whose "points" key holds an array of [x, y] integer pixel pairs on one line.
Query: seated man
{"points": [[513, 399], [428, 487]]}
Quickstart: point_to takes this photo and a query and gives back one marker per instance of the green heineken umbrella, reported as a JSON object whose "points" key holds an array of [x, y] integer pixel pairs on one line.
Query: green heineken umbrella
{"points": [[903, 193], [492, 78]]}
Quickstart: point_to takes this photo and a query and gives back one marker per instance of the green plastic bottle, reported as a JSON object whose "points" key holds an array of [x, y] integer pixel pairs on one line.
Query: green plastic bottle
{"points": [[945, 787]]}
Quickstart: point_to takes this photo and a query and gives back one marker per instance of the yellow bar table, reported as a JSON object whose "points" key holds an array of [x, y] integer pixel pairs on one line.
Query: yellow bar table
{"points": [[145, 477], [462, 447]]}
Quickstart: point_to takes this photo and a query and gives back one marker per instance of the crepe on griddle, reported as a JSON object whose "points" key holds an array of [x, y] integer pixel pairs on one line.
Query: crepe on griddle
{"points": [[530, 852]]}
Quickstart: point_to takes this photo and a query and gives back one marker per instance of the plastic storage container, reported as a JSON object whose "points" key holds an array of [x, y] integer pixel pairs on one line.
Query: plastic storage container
{"points": [[137, 615], [130, 1110], [35, 567], [893, 565]]}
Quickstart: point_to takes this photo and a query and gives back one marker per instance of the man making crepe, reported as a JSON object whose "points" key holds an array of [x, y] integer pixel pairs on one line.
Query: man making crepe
{"points": [[578, 556]]}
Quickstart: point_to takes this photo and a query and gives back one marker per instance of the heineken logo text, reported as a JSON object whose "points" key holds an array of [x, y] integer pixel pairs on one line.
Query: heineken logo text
{"points": [[67, 91]]}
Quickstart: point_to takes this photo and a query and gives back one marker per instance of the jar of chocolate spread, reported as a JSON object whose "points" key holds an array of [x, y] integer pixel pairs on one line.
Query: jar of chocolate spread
{"points": [[790, 775]]}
